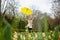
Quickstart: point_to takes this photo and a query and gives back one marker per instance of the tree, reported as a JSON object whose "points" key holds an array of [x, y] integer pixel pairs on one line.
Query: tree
{"points": [[9, 7], [56, 8], [37, 20]]}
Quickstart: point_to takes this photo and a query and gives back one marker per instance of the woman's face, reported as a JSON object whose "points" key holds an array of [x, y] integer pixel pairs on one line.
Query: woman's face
{"points": [[29, 20]]}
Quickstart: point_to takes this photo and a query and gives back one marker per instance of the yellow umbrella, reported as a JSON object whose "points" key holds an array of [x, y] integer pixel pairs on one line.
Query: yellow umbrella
{"points": [[26, 11]]}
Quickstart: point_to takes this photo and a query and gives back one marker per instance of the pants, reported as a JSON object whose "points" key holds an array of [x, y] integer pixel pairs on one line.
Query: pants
{"points": [[29, 29]]}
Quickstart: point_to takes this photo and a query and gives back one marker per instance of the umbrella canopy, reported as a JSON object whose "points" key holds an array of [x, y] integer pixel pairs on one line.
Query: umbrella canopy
{"points": [[26, 11]]}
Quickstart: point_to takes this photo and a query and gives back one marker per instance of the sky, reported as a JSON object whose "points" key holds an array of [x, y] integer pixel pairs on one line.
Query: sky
{"points": [[42, 5]]}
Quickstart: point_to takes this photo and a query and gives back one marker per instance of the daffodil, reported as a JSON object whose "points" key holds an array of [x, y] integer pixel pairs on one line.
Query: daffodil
{"points": [[26, 30], [26, 11]]}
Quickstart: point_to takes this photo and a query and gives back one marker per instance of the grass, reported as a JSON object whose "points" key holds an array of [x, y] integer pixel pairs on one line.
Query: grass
{"points": [[35, 36], [7, 34]]}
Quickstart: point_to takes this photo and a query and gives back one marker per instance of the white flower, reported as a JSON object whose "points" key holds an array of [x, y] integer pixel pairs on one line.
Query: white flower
{"points": [[43, 34], [15, 35], [21, 36], [36, 35], [24, 37], [49, 37]]}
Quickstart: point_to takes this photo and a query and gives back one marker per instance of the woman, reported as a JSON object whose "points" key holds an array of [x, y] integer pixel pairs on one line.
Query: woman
{"points": [[29, 25]]}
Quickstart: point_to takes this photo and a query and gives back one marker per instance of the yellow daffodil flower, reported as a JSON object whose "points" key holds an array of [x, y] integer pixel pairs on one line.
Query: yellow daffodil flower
{"points": [[26, 11]]}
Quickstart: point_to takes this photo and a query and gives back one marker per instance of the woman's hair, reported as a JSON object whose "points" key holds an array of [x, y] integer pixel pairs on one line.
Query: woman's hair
{"points": [[29, 18]]}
